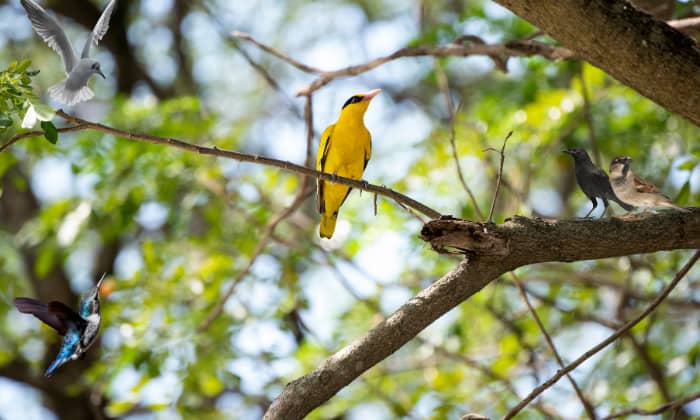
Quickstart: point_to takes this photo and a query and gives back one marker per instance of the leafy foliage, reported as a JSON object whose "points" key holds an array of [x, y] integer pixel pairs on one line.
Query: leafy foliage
{"points": [[16, 90]]}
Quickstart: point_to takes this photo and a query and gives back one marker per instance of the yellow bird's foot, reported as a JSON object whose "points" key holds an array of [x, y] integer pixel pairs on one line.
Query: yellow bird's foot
{"points": [[334, 177]]}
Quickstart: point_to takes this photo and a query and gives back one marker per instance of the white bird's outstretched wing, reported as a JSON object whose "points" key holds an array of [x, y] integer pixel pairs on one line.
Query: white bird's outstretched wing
{"points": [[51, 32], [100, 29]]}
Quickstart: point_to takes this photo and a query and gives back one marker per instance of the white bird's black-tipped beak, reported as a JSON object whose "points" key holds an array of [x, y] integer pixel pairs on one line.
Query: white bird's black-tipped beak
{"points": [[101, 74]]}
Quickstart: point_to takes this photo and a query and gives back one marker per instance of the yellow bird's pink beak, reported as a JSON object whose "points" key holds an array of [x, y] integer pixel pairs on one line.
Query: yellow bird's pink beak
{"points": [[371, 94]]}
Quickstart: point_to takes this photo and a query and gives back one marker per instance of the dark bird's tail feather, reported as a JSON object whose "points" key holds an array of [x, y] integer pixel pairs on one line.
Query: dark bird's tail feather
{"points": [[622, 204]]}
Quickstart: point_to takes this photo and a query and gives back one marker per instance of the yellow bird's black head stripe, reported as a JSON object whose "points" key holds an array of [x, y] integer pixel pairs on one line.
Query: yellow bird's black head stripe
{"points": [[353, 100]]}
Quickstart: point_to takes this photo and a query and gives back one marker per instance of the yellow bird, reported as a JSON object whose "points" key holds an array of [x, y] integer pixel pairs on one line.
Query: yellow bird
{"points": [[344, 150]]}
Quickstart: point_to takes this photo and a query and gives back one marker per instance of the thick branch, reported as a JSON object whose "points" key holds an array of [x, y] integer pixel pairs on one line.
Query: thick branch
{"points": [[648, 55], [492, 250]]}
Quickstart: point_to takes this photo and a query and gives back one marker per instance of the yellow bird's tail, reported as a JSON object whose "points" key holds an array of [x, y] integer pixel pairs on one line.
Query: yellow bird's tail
{"points": [[327, 225]]}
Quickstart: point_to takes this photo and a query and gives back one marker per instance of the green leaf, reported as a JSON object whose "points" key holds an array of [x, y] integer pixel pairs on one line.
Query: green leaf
{"points": [[50, 131], [5, 120], [45, 261], [683, 194], [13, 91], [24, 65], [116, 408], [43, 111], [688, 165]]}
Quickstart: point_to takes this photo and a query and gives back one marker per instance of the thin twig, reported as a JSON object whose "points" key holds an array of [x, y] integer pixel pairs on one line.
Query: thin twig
{"points": [[581, 279], [272, 224], [262, 71], [259, 248], [658, 410], [486, 371], [505, 182], [287, 59], [468, 361], [500, 174], [517, 48], [500, 62], [575, 313], [402, 199], [38, 133], [445, 88], [655, 371], [309, 120], [587, 406], [573, 365], [512, 48]]}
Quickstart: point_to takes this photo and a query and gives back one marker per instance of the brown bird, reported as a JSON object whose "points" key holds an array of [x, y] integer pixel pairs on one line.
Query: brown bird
{"points": [[636, 191]]}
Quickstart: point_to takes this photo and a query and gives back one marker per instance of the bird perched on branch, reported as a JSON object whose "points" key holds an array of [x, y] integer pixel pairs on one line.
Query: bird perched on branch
{"points": [[636, 191], [79, 330], [594, 182], [344, 150], [74, 88]]}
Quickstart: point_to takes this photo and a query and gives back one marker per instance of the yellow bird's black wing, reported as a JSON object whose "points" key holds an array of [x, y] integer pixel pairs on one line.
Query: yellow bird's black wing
{"points": [[368, 153], [323, 148]]}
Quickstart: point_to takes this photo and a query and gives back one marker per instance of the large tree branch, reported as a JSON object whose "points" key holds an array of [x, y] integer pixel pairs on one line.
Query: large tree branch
{"points": [[491, 250], [646, 54]]}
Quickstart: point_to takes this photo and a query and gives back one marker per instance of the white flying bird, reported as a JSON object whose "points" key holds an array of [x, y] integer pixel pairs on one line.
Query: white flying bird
{"points": [[74, 88]]}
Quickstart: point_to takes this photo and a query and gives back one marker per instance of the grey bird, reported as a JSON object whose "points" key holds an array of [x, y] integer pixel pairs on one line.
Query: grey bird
{"points": [[74, 88], [594, 182], [636, 191]]}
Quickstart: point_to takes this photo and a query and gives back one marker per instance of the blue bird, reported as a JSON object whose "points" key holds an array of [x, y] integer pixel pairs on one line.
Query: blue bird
{"points": [[79, 330]]}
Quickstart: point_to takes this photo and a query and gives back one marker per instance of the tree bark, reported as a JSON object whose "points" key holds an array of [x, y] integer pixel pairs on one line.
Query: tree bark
{"points": [[490, 251], [646, 54]]}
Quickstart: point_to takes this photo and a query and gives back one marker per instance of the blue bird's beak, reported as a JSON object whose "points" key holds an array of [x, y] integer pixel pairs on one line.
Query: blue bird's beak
{"points": [[99, 283]]}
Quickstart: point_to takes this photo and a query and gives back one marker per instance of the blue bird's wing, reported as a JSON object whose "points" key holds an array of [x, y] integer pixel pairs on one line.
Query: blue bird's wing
{"points": [[69, 346], [69, 317]]}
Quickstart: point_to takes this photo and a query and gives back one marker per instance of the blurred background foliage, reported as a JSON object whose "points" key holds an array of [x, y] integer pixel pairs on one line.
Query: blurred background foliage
{"points": [[175, 230]]}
